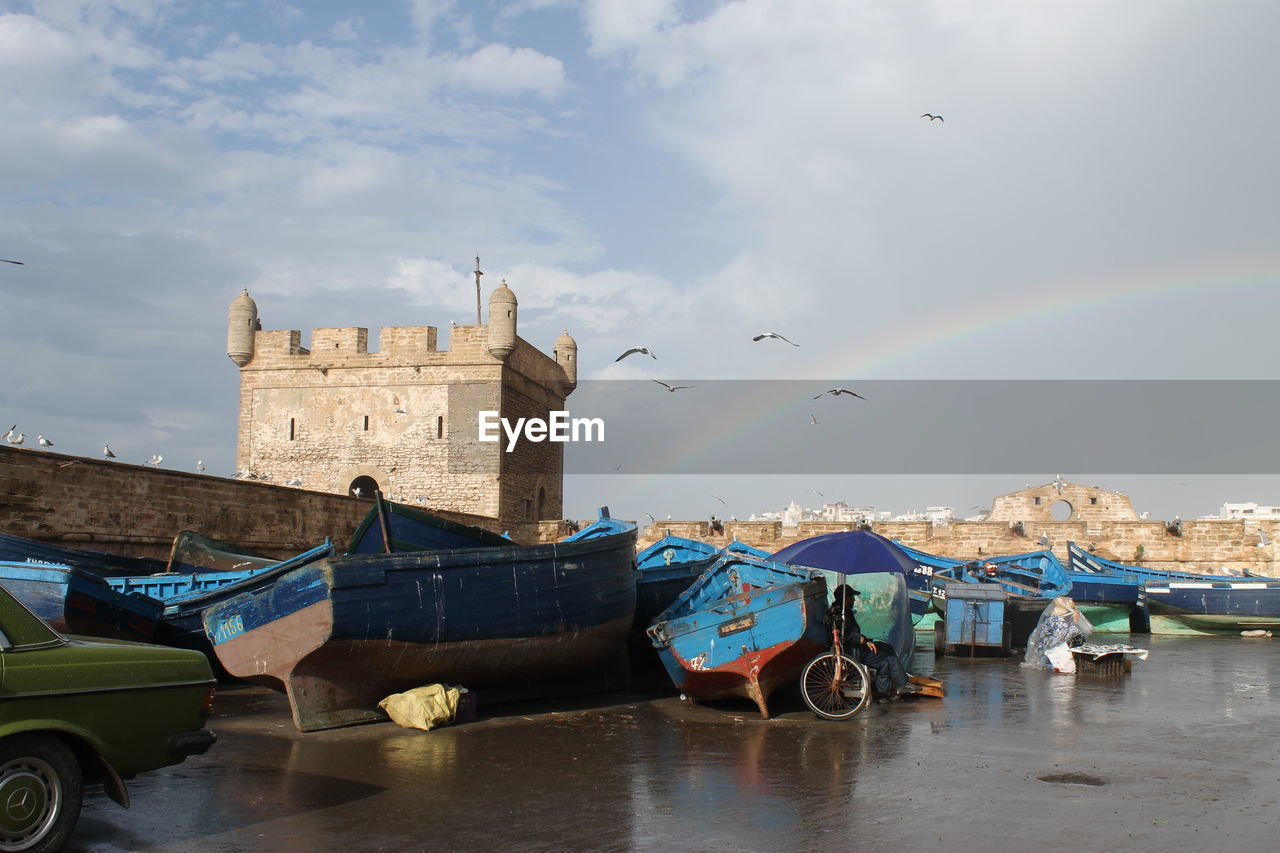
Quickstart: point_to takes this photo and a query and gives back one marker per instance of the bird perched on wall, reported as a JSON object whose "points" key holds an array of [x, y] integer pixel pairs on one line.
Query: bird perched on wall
{"points": [[200, 465], [356, 491], [106, 452], [932, 117], [775, 335], [295, 481], [836, 392], [637, 349], [155, 460], [1044, 540], [1059, 482], [43, 442], [673, 388], [1263, 540]]}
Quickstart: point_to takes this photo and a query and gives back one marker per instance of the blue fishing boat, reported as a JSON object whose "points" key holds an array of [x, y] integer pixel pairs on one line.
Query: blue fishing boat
{"points": [[878, 568], [667, 568], [743, 628], [342, 633], [18, 549], [391, 527], [184, 596], [1219, 605], [77, 601]]}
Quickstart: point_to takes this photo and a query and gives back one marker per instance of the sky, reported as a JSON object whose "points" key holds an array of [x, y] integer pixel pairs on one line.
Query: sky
{"points": [[1097, 202]]}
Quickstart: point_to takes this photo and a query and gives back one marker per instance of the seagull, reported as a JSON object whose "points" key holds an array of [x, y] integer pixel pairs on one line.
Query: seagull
{"points": [[1262, 539], [652, 520], [813, 419], [637, 349], [356, 491], [717, 497], [43, 442], [815, 491], [836, 392], [617, 467], [106, 452], [1059, 482], [931, 117], [11, 433], [296, 481], [15, 439], [1044, 540], [763, 335], [155, 460], [673, 388], [199, 464], [7, 261]]}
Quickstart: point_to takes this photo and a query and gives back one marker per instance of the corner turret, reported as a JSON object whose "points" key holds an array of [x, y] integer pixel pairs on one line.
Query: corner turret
{"points": [[502, 322], [566, 355], [242, 325]]}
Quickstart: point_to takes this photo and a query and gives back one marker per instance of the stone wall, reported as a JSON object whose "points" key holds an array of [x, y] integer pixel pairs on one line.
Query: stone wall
{"points": [[137, 510]]}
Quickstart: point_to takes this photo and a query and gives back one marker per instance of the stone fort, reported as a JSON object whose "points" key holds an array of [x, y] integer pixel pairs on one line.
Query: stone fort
{"points": [[335, 417]]}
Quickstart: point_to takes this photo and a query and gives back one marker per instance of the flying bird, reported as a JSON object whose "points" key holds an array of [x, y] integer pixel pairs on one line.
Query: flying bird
{"points": [[155, 460], [106, 452], [633, 350], [199, 464], [1059, 482], [815, 491], [7, 261], [1262, 539], [763, 335], [16, 439], [673, 388], [717, 497], [11, 433], [43, 442], [931, 117], [836, 392], [813, 419], [652, 520]]}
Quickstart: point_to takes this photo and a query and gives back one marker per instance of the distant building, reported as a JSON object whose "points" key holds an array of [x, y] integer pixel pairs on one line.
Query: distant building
{"points": [[1248, 510], [335, 417]]}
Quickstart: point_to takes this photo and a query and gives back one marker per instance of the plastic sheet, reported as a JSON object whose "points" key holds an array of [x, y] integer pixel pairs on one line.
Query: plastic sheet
{"points": [[1061, 626], [422, 707]]}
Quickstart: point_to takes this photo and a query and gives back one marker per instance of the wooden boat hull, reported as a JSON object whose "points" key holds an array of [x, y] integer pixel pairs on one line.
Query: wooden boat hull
{"points": [[1220, 606], [18, 549], [339, 635], [77, 601], [736, 633]]}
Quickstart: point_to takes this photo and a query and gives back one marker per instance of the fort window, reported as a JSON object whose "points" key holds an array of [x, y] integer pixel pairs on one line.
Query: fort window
{"points": [[542, 503], [291, 429], [439, 426], [1036, 501], [528, 509], [366, 423], [1093, 501], [1061, 511]]}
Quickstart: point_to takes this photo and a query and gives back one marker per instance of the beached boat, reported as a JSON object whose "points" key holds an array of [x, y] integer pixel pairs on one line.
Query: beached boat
{"points": [[743, 628], [878, 568], [667, 568], [184, 596], [342, 633], [18, 549], [77, 601], [1219, 605]]}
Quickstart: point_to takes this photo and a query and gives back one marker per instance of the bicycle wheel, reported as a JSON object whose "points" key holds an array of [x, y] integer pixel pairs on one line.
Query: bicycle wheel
{"points": [[835, 698]]}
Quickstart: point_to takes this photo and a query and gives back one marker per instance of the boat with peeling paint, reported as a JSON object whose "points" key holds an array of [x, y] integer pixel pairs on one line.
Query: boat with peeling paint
{"points": [[341, 634], [743, 628]]}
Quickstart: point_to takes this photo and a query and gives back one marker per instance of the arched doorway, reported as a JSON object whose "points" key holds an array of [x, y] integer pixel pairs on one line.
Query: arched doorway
{"points": [[541, 504], [363, 487]]}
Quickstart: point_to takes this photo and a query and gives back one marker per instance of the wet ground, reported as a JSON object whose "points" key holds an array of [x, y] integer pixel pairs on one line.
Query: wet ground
{"points": [[1180, 753]]}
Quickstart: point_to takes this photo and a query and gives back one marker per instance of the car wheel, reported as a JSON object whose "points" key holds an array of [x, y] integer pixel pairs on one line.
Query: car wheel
{"points": [[41, 787]]}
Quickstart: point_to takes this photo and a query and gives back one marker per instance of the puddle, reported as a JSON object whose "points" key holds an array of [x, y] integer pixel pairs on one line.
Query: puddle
{"points": [[1073, 779]]}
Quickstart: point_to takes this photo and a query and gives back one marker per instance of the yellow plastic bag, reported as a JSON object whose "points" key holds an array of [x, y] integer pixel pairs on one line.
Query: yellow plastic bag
{"points": [[422, 707]]}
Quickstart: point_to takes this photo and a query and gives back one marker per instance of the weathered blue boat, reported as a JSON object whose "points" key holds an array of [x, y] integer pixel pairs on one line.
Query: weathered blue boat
{"points": [[185, 596], [18, 549], [743, 628], [391, 527], [878, 568], [667, 568], [1219, 605], [77, 601], [342, 633]]}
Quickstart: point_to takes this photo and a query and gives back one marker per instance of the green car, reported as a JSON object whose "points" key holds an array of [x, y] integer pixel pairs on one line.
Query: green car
{"points": [[77, 711]]}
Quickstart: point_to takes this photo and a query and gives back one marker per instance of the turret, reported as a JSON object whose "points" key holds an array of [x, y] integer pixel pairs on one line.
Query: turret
{"points": [[566, 355], [242, 325], [502, 322]]}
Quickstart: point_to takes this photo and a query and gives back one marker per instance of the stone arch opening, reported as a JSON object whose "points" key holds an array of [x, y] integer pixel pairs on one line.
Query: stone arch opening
{"points": [[1061, 510], [540, 504], [367, 486]]}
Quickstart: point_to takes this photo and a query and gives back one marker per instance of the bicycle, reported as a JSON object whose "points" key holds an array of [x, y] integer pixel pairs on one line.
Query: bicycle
{"points": [[834, 685]]}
